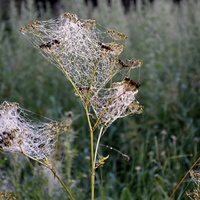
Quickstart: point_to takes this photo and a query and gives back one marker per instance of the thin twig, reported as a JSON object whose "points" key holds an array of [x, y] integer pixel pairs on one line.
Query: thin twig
{"points": [[181, 181]]}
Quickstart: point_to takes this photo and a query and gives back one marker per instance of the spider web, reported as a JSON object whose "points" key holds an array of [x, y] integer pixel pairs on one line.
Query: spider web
{"points": [[19, 133], [78, 48]]}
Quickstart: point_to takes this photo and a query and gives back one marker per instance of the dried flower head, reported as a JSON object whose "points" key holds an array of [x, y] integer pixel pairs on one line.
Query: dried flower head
{"points": [[19, 133]]}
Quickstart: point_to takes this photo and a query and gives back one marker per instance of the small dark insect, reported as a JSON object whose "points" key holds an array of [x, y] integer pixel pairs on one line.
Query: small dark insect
{"points": [[5, 133], [127, 79], [138, 85], [41, 145], [132, 83], [45, 46], [83, 89], [57, 42], [122, 64], [103, 46], [49, 44], [42, 46]]}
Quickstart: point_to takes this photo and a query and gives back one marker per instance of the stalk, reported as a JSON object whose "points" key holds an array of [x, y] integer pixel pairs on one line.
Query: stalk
{"points": [[92, 153]]}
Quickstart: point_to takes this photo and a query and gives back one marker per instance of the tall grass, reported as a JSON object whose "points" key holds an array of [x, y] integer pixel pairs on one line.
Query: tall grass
{"points": [[162, 143]]}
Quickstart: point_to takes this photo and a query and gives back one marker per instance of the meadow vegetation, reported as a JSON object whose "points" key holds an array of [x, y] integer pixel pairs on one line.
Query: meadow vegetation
{"points": [[162, 143]]}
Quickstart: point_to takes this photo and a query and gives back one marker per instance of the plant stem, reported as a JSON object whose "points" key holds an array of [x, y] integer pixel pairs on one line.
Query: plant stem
{"points": [[92, 153], [97, 145]]}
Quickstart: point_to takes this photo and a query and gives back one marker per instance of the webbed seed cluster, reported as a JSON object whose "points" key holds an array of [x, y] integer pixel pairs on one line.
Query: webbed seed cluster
{"points": [[89, 58], [18, 133], [117, 101]]}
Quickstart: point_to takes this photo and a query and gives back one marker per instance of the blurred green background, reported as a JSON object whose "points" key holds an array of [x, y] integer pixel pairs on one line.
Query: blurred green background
{"points": [[162, 143]]}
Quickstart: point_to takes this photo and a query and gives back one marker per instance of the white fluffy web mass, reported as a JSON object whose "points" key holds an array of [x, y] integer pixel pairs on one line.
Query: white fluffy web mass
{"points": [[75, 46], [116, 102], [78, 48], [18, 133]]}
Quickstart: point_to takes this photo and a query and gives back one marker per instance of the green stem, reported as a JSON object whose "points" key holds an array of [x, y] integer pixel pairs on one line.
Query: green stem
{"points": [[92, 153], [97, 145]]}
